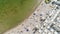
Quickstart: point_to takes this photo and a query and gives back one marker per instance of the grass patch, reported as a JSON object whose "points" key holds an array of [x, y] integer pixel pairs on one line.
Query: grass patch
{"points": [[13, 12]]}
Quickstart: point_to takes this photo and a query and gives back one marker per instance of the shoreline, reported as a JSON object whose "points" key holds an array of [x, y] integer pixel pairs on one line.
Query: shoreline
{"points": [[33, 9]]}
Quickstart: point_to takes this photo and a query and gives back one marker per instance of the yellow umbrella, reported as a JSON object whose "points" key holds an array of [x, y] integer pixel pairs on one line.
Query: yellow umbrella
{"points": [[47, 1]]}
